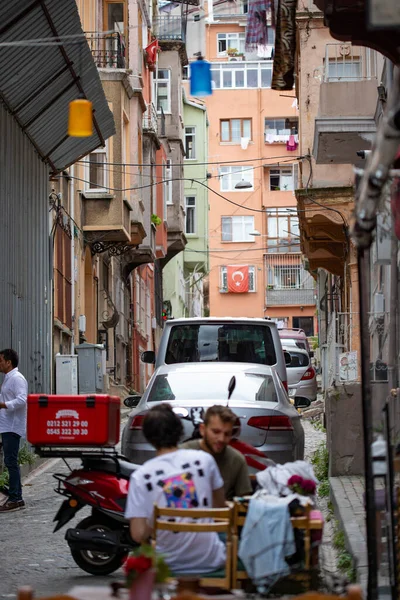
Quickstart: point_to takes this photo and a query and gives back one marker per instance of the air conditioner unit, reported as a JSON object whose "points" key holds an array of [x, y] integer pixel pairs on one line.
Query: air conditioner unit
{"points": [[235, 58]]}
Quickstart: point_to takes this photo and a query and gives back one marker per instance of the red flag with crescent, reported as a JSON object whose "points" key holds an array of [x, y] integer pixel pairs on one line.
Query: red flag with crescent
{"points": [[151, 52], [238, 279]]}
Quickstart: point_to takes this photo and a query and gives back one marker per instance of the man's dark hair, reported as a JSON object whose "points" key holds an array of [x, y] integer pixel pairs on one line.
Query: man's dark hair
{"points": [[10, 354], [162, 428], [223, 412]]}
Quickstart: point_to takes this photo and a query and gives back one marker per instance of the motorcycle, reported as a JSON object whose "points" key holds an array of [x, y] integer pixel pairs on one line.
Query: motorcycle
{"points": [[100, 542]]}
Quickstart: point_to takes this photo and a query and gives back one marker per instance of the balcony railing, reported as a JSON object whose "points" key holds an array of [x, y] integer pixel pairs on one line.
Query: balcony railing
{"points": [[108, 50], [170, 28], [344, 62], [290, 297], [150, 119]]}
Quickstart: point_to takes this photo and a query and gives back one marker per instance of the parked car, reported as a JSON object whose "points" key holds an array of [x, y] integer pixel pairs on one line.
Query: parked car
{"points": [[298, 336], [268, 420], [220, 339], [302, 378]]}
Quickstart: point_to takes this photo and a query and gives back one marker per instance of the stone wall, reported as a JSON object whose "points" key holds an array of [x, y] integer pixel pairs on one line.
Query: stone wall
{"points": [[344, 426]]}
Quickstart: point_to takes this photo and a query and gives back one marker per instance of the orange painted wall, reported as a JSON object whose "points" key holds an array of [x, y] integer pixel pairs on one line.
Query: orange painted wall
{"points": [[256, 104]]}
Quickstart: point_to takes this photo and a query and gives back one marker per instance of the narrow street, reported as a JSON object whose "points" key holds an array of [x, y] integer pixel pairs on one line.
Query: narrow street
{"points": [[33, 555]]}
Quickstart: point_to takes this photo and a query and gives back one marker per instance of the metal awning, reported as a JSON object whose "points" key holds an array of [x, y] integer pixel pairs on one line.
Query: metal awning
{"points": [[37, 82]]}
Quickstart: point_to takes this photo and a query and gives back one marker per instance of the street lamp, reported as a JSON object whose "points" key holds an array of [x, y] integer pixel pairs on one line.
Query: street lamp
{"points": [[243, 185]]}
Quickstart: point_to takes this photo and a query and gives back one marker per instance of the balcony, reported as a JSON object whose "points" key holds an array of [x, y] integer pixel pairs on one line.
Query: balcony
{"points": [[345, 124], [290, 297], [108, 50], [150, 119], [170, 29], [106, 216]]}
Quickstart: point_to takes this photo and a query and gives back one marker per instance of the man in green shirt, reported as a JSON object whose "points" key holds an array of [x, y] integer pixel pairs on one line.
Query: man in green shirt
{"points": [[216, 433]]}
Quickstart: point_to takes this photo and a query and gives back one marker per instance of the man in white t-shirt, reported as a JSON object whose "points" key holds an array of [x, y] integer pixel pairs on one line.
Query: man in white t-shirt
{"points": [[176, 479]]}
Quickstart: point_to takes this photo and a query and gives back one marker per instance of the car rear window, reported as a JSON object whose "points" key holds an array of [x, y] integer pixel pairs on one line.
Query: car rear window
{"points": [[221, 343], [205, 386], [298, 360]]}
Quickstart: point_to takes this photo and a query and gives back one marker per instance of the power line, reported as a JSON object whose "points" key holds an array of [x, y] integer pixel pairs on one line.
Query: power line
{"points": [[198, 164]]}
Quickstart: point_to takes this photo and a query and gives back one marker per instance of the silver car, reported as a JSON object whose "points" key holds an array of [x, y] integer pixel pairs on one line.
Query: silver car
{"points": [[268, 420], [302, 378]]}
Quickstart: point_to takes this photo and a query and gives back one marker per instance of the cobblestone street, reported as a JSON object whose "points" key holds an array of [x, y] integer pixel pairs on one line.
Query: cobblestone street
{"points": [[32, 554]]}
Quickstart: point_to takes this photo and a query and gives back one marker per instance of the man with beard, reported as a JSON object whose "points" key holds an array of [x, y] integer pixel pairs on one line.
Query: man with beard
{"points": [[216, 433]]}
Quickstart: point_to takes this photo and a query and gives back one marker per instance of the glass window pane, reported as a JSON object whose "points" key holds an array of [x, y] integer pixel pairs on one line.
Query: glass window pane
{"points": [[216, 78], [287, 181], [226, 229], [294, 226], [252, 78], [283, 227], [225, 131], [236, 130], [237, 229], [163, 74], [227, 79], [273, 227], [247, 128], [266, 78], [248, 227], [239, 79]]}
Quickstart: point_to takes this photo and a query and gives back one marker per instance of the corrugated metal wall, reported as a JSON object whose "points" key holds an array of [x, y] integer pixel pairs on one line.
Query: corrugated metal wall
{"points": [[25, 284]]}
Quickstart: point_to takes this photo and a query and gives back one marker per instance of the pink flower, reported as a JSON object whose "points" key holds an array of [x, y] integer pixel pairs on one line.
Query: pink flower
{"points": [[295, 480]]}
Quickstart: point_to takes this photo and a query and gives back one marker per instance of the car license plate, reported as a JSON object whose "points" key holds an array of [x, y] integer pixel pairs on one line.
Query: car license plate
{"points": [[292, 392]]}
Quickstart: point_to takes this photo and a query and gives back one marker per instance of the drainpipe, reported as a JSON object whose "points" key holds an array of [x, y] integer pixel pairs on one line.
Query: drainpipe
{"points": [[72, 214]]}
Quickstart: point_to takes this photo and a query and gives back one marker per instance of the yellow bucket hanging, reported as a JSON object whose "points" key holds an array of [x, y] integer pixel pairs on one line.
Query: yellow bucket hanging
{"points": [[80, 118]]}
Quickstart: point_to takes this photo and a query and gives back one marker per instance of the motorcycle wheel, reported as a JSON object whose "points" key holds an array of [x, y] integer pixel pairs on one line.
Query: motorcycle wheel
{"points": [[97, 563]]}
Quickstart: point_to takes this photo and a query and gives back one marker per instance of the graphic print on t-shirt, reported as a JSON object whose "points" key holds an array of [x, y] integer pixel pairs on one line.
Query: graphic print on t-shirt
{"points": [[180, 491]]}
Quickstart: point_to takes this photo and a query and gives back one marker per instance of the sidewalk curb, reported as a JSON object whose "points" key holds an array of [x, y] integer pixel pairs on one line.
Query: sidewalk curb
{"points": [[354, 537]]}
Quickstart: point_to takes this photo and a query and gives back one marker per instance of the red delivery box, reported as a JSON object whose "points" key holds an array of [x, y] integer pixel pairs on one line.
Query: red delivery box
{"points": [[73, 420]]}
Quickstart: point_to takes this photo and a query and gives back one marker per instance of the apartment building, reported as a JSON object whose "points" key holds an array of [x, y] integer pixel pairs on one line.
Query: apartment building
{"points": [[256, 267], [184, 275], [126, 222]]}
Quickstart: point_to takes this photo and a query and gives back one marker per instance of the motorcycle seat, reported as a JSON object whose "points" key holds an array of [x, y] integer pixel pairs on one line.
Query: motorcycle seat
{"points": [[108, 465]]}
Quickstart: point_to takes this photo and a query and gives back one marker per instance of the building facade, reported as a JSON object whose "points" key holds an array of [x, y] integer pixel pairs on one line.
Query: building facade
{"points": [[253, 172]]}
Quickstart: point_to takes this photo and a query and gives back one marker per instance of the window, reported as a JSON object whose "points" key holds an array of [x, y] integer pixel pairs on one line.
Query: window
{"points": [[281, 127], [306, 323], [224, 279], [232, 130], [237, 229], [96, 170], [231, 175], [286, 276], [344, 70], [162, 91], [241, 75], [190, 206], [281, 180], [283, 231], [185, 72], [244, 7], [228, 41], [167, 176], [190, 143]]}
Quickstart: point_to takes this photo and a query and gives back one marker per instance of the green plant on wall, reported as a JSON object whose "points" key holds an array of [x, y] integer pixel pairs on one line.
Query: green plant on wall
{"points": [[156, 220]]}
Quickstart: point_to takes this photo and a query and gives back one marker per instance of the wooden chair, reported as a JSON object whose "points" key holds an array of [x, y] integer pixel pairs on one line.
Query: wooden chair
{"points": [[304, 523], [221, 523], [239, 517]]}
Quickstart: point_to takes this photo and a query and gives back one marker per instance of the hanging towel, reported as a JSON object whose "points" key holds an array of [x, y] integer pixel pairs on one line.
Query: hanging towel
{"points": [[291, 144], [244, 142]]}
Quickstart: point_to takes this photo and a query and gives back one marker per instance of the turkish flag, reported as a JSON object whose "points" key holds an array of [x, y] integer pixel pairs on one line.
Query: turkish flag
{"points": [[238, 279], [151, 51]]}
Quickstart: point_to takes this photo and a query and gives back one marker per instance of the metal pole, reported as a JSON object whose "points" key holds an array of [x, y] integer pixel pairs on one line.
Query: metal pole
{"points": [[366, 401]]}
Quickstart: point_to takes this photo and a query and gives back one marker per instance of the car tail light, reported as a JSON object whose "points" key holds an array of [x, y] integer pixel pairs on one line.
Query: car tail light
{"points": [[309, 374], [271, 423], [285, 385], [137, 422]]}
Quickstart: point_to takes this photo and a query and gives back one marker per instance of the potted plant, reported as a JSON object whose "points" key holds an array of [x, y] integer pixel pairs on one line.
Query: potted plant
{"points": [[156, 220], [232, 52], [143, 568]]}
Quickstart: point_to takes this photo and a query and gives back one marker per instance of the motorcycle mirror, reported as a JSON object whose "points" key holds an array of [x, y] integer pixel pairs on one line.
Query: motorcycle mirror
{"points": [[132, 401], [231, 386]]}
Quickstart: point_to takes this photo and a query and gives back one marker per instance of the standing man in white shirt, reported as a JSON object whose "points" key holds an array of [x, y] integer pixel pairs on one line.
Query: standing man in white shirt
{"points": [[13, 405]]}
